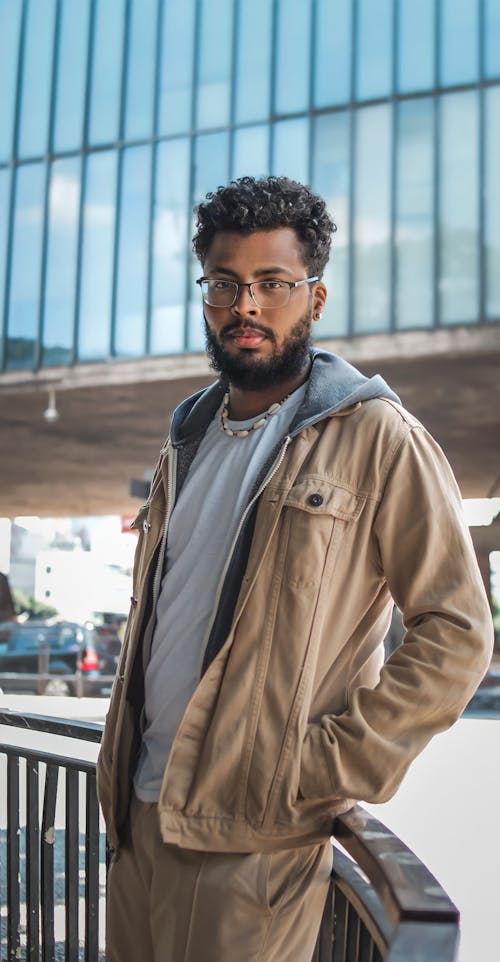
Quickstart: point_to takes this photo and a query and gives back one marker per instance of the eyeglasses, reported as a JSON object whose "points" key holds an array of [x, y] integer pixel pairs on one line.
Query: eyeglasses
{"points": [[266, 294]]}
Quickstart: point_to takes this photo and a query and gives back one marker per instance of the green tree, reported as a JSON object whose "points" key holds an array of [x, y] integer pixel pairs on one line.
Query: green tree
{"points": [[29, 605]]}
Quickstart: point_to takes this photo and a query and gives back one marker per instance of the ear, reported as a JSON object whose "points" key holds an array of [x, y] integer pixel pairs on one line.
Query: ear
{"points": [[319, 300]]}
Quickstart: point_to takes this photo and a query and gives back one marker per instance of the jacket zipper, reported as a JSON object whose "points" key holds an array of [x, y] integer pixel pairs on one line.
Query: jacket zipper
{"points": [[269, 476], [145, 528], [171, 454]]}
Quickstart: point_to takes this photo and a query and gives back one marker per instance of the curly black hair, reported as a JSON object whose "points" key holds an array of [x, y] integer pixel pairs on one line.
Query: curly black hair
{"points": [[249, 204]]}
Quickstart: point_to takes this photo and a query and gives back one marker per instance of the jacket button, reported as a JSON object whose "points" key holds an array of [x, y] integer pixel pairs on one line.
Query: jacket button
{"points": [[315, 500], [133, 601], [146, 526]]}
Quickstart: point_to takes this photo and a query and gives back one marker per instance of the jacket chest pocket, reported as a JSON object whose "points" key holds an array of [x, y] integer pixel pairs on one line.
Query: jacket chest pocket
{"points": [[312, 510], [316, 519]]}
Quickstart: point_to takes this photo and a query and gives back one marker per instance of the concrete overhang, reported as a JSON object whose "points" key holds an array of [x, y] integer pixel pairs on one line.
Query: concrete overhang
{"points": [[115, 415]]}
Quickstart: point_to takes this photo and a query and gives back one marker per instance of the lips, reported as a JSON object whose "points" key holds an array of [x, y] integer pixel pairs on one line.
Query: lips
{"points": [[247, 337]]}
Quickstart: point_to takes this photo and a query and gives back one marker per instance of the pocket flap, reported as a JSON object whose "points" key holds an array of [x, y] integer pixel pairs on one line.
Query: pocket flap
{"points": [[323, 497], [140, 517]]}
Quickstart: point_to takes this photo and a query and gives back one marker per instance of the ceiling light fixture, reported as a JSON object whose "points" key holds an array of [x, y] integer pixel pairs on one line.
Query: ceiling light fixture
{"points": [[51, 414]]}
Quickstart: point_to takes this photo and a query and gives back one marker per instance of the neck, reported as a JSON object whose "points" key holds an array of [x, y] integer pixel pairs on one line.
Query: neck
{"points": [[244, 404]]}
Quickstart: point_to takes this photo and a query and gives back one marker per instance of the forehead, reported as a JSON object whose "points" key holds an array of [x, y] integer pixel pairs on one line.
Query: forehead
{"points": [[243, 253]]}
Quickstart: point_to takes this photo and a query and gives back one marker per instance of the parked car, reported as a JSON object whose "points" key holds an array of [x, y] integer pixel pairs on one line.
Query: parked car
{"points": [[108, 643], [486, 700], [68, 650]]}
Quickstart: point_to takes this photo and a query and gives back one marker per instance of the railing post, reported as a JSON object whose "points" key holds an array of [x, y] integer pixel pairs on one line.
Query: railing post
{"points": [[79, 677], [32, 860], [43, 666], [13, 861], [92, 871], [72, 864], [48, 840]]}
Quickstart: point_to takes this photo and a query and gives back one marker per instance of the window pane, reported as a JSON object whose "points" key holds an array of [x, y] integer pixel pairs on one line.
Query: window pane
{"points": [[130, 337], [59, 308], [414, 222], [251, 151], [97, 256], [71, 75], [170, 252], [492, 208], [141, 70], [253, 60], [214, 79], [10, 22], [415, 46], [492, 38], [332, 57], [372, 218], [291, 149], [4, 226], [459, 54], [177, 67], [211, 163], [211, 170], [293, 45], [331, 180], [22, 321], [459, 180], [374, 49], [107, 71], [37, 69]]}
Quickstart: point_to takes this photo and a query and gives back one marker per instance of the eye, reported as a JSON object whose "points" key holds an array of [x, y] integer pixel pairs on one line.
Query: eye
{"points": [[219, 285], [272, 285]]}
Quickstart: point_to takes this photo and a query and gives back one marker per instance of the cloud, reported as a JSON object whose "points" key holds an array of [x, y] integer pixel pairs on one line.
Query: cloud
{"points": [[99, 215], [170, 234], [64, 200], [370, 231]]}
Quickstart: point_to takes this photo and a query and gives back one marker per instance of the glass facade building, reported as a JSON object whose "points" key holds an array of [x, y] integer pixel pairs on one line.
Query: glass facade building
{"points": [[118, 115]]}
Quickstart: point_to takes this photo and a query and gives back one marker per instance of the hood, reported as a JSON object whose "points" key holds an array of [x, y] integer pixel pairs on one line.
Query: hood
{"points": [[333, 385]]}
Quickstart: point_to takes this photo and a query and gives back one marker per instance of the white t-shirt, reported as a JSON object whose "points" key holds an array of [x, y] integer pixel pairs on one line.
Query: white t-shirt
{"points": [[202, 528]]}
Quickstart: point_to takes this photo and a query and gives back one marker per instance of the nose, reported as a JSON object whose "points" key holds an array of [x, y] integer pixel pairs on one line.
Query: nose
{"points": [[244, 303]]}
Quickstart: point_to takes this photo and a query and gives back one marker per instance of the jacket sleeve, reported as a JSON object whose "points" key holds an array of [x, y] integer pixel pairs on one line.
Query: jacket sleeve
{"points": [[427, 558]]}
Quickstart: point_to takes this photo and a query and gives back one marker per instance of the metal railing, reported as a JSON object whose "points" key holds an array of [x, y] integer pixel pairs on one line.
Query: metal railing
{"points": [[54, 848], [383, 903], [80, 686], [79, 682]]}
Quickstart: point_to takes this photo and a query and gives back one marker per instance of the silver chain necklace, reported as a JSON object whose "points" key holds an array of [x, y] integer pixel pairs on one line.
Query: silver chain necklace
{"points": [[259, 423]]}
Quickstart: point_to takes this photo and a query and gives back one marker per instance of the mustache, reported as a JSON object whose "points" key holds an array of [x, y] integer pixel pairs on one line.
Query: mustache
{"points": [[250, 325]]}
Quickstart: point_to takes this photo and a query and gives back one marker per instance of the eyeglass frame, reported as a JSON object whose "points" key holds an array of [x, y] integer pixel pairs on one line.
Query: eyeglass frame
{"points": [[238, 285]]}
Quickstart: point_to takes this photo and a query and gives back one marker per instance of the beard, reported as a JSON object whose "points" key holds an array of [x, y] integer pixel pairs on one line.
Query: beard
{"points": [[246, 371]]}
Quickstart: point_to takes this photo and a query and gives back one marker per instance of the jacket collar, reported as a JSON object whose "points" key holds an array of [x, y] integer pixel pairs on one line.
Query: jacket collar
{"points": [[333, 385]]}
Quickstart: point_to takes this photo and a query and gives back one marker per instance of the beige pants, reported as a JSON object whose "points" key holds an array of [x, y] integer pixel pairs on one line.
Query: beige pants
{"points": [[167, 904]]}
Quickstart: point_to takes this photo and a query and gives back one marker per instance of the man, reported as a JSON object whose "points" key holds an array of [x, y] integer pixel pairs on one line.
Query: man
{"points": [[294, 500]]}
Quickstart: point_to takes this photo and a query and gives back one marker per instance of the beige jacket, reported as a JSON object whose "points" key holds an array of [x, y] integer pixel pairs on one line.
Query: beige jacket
{"points": [[295, 718]]}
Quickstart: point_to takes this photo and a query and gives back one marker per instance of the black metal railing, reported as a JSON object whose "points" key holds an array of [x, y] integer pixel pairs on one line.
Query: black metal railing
{"points": [[78, 682], [52, 846], [383, 903]]}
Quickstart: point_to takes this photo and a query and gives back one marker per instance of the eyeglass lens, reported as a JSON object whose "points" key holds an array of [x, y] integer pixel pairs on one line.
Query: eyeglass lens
{"points": [[220, 293]]}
